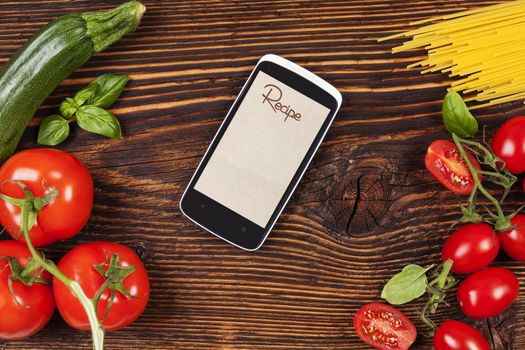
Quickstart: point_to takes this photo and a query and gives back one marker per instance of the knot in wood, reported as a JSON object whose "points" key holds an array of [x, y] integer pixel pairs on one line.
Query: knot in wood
{"points": [[360, 203]]}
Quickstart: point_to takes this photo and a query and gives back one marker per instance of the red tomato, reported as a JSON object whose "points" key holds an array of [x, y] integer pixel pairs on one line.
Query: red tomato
{"points": [[488, 292], [456, 335], [513, 241], [41, 169], [472, 247], [444, 162], [384, 327], [509, 144], [35, 304], [79, 264]]}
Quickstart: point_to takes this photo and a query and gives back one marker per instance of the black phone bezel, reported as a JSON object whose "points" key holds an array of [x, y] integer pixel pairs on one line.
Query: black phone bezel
{"points": [[224, 222]]}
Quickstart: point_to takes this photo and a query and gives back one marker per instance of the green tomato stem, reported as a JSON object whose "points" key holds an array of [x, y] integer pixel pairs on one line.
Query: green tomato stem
{"points": [[476, 144], [97, 330], [31, 267], [101, 290], [472, 195], [442, 278], [493, 174], [503, 223]]}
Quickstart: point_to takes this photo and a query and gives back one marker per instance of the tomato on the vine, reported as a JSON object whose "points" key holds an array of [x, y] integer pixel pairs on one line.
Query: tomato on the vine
{"points": [[114, 270], [42, 170], [488, 292], [513, 240], [34, 304], [456, 335], [509, 144], [443, 160], [471, 248], [384, 327]]}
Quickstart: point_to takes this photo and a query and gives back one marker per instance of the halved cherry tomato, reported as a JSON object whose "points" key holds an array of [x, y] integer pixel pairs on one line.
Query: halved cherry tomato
{"points": [[488, 292], [80, 264], [41, 169], [509, 144], [513, 241], [456, 335], [34, 305], [384, 327], [445, 163], [472, 247]]}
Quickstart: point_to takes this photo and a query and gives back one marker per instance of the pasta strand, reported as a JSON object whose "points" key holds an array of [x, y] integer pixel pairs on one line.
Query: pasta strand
{"points": [[484, 47]]}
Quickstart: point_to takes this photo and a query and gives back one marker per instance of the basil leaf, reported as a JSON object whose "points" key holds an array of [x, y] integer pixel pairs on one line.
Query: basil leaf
{"points": [[85, 94], [109, 88], [456, 116], [53, 130], [407, 285], [99, 121], [68, 107]]}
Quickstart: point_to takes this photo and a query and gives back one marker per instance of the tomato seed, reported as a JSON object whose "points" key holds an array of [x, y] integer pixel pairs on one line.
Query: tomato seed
{"points": [[454, 178], [377, 334]]}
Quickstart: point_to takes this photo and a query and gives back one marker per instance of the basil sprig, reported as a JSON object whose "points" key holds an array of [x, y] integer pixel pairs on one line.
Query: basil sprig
{"points": [[407, 285], [456, 116], [98, 120], [412, 282], [108, 89], [53, 130], [88, 109]]}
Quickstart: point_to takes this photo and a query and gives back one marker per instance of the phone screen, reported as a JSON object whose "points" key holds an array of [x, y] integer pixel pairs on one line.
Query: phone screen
{"points": [[262, 149]]}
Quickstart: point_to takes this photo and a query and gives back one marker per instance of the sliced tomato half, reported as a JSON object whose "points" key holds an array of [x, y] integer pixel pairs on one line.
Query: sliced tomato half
{"points": [[445, 163], [384, 327]]}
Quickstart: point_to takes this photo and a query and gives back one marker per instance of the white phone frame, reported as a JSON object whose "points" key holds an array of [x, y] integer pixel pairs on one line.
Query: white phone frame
{"points": [[323, 84]]}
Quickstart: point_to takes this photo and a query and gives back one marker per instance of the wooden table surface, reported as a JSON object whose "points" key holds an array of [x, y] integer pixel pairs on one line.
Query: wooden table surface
{"points": [[364, 209]]}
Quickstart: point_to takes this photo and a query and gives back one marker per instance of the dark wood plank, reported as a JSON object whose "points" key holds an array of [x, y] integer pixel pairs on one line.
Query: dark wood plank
{"points": [[364, 209]]}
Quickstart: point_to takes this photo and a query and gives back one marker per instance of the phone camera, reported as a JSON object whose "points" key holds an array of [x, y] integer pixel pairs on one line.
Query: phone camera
{"points": [[243, 229]]}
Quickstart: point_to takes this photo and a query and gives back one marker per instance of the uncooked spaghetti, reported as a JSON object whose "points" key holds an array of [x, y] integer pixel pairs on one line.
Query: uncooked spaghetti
{"points": [[484, 48]]}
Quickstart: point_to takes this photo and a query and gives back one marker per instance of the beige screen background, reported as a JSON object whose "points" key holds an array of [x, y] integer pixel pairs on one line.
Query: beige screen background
{"points": [[261, 149]]}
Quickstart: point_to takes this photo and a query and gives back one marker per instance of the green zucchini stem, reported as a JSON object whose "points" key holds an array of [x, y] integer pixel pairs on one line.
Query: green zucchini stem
{"points": [[106, 28]]}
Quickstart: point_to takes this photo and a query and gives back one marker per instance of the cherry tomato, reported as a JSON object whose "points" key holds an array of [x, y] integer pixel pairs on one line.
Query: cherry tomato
{"points": [[456, 335], [513, 241], [445, 163], [488, 292], [384, 327], [35, 304], [472, 247], [80, 265], [509, 144], [42, 169]]}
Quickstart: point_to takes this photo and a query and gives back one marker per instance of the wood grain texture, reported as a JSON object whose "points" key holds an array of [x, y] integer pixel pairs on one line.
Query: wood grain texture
{"points": [[365, 208]]}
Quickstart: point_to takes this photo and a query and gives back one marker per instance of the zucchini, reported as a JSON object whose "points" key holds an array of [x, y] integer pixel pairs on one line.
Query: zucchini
{"points": [[49, 57]]}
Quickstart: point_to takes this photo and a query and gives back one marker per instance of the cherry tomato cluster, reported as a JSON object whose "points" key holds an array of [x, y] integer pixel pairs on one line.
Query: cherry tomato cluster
{"points": [[486, 291], [444, 161], [110, 272]]}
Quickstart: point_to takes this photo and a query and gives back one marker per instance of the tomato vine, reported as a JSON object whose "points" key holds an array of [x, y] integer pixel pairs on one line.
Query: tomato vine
{"points": [[497, 175], [30, 206]]}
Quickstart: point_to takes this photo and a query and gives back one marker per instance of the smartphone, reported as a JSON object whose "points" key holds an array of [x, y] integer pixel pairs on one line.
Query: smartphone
{"points": [[260, 152]]}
